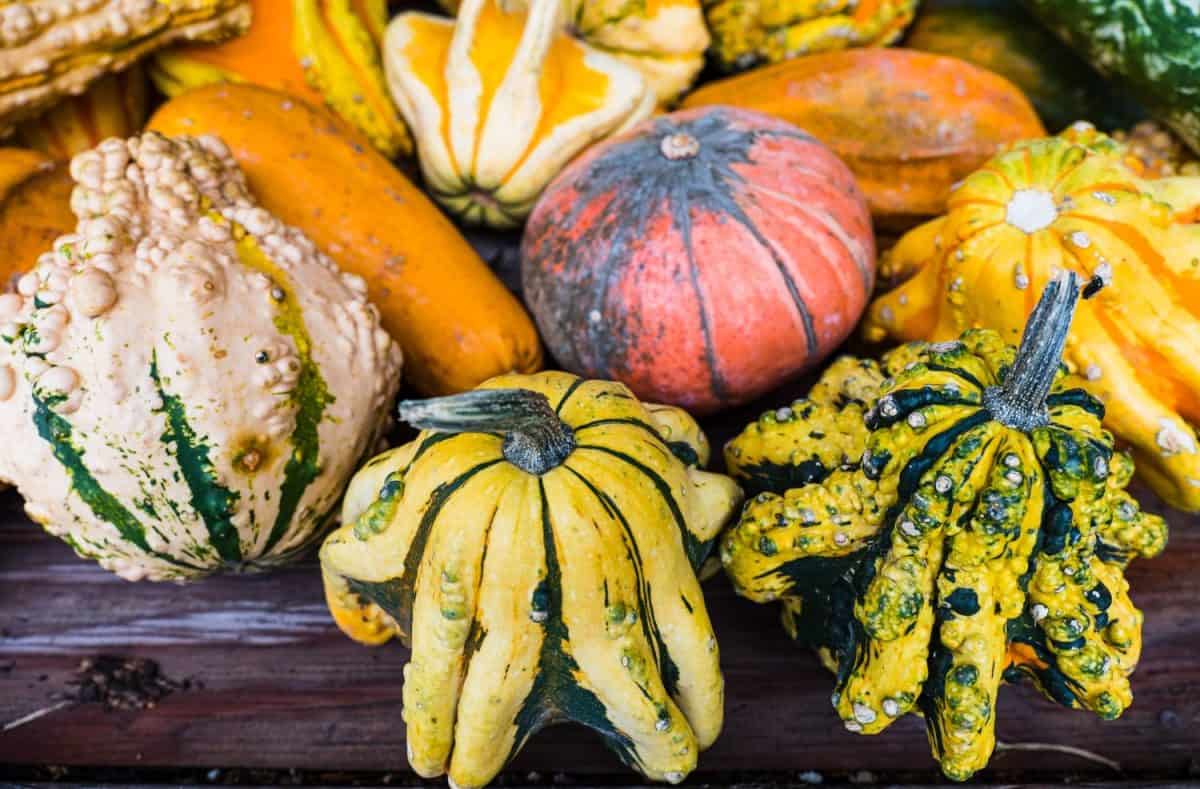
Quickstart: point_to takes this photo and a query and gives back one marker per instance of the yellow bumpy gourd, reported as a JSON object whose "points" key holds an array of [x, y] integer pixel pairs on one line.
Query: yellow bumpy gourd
{"points": [[536, 548], [971, 526], [1074, 201], [748, 32]]}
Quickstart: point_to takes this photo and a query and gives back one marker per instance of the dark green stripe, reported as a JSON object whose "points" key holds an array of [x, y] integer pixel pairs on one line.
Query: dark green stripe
{"points": [[212, 501], [578, 382], [555, 694], [57, 432], [697, 550]]}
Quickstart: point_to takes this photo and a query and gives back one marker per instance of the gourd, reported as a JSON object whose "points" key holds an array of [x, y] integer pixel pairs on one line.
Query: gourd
{"points": [[702, 259], [186, 383], [1156, 151], [665, 40], [748, 32], [35, 209], [1004, 38], [457, 323], [908, 124], [114, 106], [536, 548], [500, 99], [959, 520], [49, 51], [1147, 45], [322, 51], [1073, 201]]}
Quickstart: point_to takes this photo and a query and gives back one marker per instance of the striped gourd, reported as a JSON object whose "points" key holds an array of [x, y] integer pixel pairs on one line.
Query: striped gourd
{"points": [[536, 548], [959, 519], [186, 384]]}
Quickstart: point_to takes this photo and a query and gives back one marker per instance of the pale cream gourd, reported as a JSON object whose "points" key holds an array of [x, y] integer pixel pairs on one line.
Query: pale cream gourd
{"points": [[500, 99], [186, 384]]}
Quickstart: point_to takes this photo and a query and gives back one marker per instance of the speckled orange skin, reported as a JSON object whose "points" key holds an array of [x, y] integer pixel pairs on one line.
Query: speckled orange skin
{"points": [[704, 280], [457, 323], [35, 209], [908, 124]]}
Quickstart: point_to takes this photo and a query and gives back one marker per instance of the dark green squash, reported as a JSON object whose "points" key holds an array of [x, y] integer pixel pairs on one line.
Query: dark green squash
{"points": [[1149, 45]]}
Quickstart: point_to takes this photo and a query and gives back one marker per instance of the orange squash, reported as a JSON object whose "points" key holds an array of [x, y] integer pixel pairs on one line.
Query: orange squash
{"points": [[456, 322], [909, 124], [323, 51], [114, 106], [35, 209]]}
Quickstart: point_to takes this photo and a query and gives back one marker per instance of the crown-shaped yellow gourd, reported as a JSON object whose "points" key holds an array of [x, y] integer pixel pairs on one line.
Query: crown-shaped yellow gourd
{"points": [[500, 99]]}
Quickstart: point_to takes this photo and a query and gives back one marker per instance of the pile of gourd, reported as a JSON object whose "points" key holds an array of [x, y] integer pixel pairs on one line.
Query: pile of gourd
{"points": [[204, 313]]}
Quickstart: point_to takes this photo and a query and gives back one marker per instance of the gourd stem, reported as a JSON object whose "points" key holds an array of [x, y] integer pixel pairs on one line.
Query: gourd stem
{"points": [[536, 440], [1020, 402]]}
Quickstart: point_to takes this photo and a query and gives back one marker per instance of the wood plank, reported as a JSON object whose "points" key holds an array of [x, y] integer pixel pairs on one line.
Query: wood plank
{"points": [[282, 688]]}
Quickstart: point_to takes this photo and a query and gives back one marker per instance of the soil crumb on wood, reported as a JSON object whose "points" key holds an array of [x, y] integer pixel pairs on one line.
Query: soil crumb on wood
{"points": [[121, 683]]}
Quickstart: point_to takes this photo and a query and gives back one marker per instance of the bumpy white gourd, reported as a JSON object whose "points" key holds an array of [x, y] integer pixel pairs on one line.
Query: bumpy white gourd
{"points": [[186, 384]]}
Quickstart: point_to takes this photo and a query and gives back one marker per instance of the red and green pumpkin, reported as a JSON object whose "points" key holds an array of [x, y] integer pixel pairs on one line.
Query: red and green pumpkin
{"points": [[703, 258]]}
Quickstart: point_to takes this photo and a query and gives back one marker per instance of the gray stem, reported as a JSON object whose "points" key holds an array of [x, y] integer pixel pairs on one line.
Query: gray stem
{"points": [[536, 440], [1020, 402]]}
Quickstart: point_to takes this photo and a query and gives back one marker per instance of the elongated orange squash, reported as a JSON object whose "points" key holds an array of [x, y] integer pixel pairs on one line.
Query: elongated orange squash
{"points": [[456, 322], [35, 209], [909, 124]]}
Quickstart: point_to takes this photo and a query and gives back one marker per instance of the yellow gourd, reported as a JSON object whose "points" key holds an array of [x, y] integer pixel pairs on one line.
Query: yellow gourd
{"points": [[748, 32], [948, 519], [500, 99], [536, 548], [1076, 201], [663, 39]]}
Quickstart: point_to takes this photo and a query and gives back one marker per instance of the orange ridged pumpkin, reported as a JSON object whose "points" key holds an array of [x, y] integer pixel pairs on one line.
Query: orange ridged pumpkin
{"points": [[703, 258]]}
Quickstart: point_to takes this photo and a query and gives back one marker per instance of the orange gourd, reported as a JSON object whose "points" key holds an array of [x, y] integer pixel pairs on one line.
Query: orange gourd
{"points": [[909, 124], [456, 322], [35, 209]]}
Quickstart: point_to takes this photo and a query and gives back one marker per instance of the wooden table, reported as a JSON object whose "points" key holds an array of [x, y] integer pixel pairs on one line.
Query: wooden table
{"points": [[276, 685]]}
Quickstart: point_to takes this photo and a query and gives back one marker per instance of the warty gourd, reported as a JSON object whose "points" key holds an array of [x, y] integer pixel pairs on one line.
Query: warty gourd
{"points": [[186, 384]]}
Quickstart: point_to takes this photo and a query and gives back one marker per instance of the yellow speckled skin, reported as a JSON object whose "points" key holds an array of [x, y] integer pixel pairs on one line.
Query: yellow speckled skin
{"points": [[748, 32], [945, 551], [530, 598], [1076, 201]]}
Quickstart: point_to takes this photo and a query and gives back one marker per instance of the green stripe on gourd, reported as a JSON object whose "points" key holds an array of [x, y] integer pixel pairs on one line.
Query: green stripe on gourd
{"points": [[212, 501], [57, 431]]}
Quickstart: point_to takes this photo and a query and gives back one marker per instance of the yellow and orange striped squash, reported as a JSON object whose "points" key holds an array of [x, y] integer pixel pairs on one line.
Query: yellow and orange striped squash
{"points": [[500, 99], [1079, 201]]}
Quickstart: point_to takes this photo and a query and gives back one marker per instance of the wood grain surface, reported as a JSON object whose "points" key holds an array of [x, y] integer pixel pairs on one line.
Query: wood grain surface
{"points": [[275, 685]]}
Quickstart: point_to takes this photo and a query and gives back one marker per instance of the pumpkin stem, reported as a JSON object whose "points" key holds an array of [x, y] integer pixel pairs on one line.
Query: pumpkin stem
{"points": [[536, 440], [1020, 402]]}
